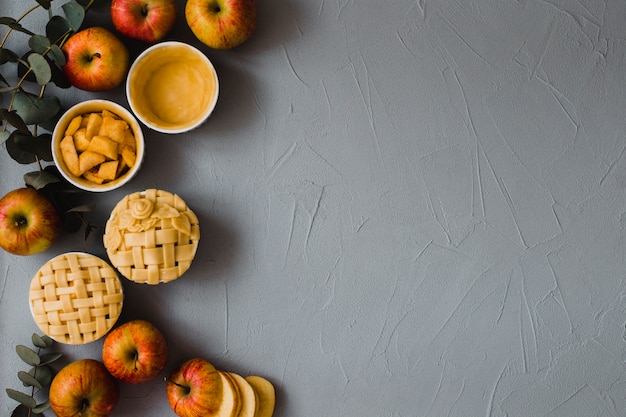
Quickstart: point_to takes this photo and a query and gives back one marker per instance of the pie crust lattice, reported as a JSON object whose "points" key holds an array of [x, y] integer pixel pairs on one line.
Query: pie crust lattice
{"points": [[152, 236], [76, 298]]}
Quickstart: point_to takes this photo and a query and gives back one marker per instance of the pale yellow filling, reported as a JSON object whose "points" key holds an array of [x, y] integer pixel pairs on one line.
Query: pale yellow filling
{"points": [[173, 88]]}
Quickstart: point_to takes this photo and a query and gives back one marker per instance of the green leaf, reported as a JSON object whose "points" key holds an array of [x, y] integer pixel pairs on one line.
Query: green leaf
{"points": [[34, 110], [57, 55], [40, 67], [44, 3], [75, 14], [6, 20], [47, 339], [48, 358], [41, 407], [43, 374], [20, 411], [15, 120], [41, 145], [27, 355], [57, 28], [38, 341], [39, 180], [39, 44], [19, 28], [16, 152], [28, 380], [6, 55], [21, 398]]}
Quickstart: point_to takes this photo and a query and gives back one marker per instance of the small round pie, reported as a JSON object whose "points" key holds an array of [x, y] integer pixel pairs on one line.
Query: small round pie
{"points": [[76, 298], [151, 236]]}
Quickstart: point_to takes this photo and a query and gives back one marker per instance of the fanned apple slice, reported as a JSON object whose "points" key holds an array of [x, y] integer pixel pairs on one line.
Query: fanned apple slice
{"points": [[265, 393], [247, 396], [230, 397]]}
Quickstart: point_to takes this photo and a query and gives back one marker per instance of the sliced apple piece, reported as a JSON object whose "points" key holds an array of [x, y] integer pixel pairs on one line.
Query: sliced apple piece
{"points": [[247, 396], [265, 393], [230, 397]]}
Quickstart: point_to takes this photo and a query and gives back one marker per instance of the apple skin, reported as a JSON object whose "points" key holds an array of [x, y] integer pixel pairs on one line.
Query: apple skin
{"points": [[97, 60], [135, 352], [146, 20], [29, 223], [221, 24], [84, 388], [195, 389]]}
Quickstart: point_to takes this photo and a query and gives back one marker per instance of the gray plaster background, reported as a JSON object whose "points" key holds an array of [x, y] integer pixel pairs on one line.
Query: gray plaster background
{"points": [[408, 208]]}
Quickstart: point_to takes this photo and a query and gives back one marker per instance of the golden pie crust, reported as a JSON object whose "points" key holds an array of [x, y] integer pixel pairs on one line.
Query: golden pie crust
{"points": [[76, 298], [152, 236]]}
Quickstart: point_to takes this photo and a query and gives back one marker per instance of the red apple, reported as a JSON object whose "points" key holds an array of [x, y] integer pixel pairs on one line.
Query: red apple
{"points": [[96, 60], [145, 20], [29, 223], [84, 388], [135, 352], [195, 389], [221, 24]]}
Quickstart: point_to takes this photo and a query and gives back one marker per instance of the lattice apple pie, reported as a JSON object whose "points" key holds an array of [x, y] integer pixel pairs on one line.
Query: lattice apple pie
{"points": [[76, 298], [152, 236]]}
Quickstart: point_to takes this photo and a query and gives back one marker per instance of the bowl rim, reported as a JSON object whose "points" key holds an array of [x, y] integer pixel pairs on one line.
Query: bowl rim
{"points": [[203, 57], [91, 105]]}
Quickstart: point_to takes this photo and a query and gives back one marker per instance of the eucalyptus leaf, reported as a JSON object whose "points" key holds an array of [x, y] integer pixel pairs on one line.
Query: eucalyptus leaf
{"points": [[21, 398], [6, 20], [39, 180], [47, 339], [20, 411], [19, 28], [57, 55], [7, 55], [43, 374], [15, 120], [41, 68], [48, 358], [8, 89], [39, 44], [44, 3], [57, 28], [38, 341], [27, 355], [16, 152], [29, 380], [40, 408], [58, 77], [75, 14], [41, 145], [34, 110]]}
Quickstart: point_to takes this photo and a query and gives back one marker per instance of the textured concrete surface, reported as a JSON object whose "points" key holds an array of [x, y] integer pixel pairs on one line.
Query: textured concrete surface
{"points": [[408, 208]]}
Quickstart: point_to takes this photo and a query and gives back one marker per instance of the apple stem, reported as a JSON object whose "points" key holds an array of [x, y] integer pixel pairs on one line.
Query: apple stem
{"points": [[169, 381]]}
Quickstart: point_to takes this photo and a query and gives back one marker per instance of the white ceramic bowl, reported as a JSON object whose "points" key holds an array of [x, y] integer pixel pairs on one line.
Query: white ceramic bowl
{"points": [[172, 87], [91, 106]]}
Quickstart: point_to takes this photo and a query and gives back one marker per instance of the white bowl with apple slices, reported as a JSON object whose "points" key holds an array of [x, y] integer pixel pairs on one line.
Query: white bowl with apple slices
{"points": [[172, 87], [98, 145]]}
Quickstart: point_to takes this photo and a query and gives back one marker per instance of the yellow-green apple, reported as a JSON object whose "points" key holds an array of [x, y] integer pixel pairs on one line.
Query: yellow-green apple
{"points": [[29, 222], [83, 388], [195, 389], [221, 24], [145, 20], [135, 352], [97, 60], [266, 395]]}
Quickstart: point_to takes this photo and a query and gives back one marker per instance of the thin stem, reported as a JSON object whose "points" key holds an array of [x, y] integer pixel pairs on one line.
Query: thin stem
{"points": [[26, 13]]}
